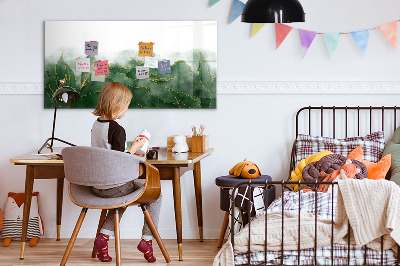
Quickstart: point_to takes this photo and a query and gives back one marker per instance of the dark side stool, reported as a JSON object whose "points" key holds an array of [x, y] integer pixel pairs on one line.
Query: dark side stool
{"points": [[228, 182]]}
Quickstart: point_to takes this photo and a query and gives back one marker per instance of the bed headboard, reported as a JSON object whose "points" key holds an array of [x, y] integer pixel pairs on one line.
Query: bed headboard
{"points": [[344, 121]]}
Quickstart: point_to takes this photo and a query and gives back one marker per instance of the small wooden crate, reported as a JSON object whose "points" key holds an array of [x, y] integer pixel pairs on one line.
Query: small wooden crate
{"points": [[200, 143], [171, 143]]}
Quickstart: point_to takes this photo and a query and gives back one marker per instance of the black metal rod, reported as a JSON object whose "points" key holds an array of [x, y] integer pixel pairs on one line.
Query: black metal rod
{"points": [[381, 250], [358, 121], [333, 189], [365, 255], [334, 121], [315, 222], [54, 126], [346, 120], [348, 242], [298, 226], [251, 203], [309, 120], [266, 220], [283, 210], [322, 121], [370, 120]]}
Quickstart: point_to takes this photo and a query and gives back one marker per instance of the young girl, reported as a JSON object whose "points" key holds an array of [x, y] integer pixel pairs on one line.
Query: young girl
{"points": [[113, 103]]}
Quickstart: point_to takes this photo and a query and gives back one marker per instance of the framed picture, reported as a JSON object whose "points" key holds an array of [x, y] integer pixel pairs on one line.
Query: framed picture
{"points": [[166, 64]]}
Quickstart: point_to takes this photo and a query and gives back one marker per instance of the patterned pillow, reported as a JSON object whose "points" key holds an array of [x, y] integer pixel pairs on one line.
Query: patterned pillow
{"points": [[372, 145]]}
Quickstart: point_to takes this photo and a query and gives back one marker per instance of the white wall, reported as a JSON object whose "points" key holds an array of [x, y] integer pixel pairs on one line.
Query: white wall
{"points": [[259, 127]]}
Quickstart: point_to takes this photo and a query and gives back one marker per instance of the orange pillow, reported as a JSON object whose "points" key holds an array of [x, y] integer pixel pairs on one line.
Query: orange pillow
{"points": [[375, 170]]}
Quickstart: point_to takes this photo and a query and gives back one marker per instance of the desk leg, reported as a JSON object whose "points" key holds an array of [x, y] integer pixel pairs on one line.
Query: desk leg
{"points": [[199, 204], [27, 206], [60, 190], [176, 183]]}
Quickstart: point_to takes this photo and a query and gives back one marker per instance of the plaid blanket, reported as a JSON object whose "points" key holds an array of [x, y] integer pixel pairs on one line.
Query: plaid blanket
{"points": [[323, 205]]}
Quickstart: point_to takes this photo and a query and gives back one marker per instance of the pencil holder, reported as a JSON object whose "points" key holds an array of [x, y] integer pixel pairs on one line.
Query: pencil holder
{"points": [[200, 143]]}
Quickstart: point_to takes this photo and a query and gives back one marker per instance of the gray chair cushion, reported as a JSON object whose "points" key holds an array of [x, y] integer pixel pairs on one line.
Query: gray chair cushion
{"points": [[84, 196]]}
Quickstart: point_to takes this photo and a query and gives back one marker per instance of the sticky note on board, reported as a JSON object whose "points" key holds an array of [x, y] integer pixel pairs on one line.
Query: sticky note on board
{"points": [[102, 68], [99, 78], [142, 72], [151, 62], [164, 67], [146, 48], [83, 65], [91, 48]]}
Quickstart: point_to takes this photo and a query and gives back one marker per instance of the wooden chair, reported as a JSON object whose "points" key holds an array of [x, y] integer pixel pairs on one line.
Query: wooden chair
{"points": [[85, 167]]}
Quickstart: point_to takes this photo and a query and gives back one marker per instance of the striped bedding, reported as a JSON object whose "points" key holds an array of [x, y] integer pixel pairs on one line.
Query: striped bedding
{"points": [[323, 207]]}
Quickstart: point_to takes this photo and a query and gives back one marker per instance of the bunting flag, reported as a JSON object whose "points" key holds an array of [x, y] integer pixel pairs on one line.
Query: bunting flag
{"points": [[389, 30], [332, 41], [213, 2], [361, 37], [306, 39], [256, 28], [237, 9], [281, 31]]}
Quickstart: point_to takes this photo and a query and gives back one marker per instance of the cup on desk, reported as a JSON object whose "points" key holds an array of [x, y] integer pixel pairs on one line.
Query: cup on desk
{"points": [[152, 155]]}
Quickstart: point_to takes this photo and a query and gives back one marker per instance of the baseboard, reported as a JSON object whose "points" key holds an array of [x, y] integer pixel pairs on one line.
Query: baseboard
{"points": [[259, 87], [135, 233]]}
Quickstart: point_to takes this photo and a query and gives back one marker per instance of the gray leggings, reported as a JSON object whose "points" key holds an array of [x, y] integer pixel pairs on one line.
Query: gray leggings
{"points": [[154, 208]]}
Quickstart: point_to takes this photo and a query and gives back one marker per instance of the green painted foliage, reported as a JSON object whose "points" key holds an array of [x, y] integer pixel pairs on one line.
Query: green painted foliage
{"points": [[184, 87]]}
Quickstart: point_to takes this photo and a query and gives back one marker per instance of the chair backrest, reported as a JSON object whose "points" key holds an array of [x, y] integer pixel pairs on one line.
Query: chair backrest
{"points": [[92, 166]]}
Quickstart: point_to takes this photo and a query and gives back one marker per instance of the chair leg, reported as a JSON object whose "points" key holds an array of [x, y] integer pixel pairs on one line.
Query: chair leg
{"points": [[223, 229], [101, 222], [73, 237], [117, 239], [154, 230]]}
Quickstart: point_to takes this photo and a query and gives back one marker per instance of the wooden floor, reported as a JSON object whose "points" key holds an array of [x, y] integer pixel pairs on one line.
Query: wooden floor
{"points": [[50, 252]]}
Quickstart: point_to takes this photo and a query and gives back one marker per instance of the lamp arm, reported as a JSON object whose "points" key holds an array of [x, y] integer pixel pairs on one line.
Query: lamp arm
{"points": [[51, 140], [54, 126]]}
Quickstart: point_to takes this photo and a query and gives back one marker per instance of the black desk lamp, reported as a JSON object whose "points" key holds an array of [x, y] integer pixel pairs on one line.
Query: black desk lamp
{"points": [[64, 96], [273, 11]]}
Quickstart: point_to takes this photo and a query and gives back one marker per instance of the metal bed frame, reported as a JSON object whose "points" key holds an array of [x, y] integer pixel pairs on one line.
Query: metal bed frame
{"points": [[284, 184]]}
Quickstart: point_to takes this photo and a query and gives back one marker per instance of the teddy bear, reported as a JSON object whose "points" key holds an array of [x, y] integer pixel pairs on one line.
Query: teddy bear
{"points": [[13, 215], [180, 144], [245, 169]]}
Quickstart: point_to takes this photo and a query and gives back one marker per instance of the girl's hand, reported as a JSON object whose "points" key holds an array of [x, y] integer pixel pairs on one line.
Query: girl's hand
{"points": [[137, 144], [142, 155]]}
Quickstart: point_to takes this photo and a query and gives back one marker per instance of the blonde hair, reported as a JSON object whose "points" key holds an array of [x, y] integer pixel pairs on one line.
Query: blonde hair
{"points": [[113, 98]]}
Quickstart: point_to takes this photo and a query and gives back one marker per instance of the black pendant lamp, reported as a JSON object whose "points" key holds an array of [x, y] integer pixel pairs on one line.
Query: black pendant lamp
{"points": [[273, 11]]}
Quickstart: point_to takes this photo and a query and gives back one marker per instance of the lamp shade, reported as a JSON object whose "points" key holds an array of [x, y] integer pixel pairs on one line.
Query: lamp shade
{"points": [[65, 96], [273, 11]]}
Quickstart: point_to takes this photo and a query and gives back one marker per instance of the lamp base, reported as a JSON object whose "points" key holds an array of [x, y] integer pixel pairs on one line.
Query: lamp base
{"points": [[50, 146]]}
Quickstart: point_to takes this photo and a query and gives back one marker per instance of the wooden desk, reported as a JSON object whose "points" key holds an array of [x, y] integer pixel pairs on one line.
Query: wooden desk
{"points": [[171, 167]]}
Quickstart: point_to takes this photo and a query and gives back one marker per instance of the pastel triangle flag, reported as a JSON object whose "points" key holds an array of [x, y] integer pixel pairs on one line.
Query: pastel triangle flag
{"points": [[281, 31], [389, 30], [361, 37], [237, 9], [256, 28], [213, 2], [332, 41], [306, 39]]}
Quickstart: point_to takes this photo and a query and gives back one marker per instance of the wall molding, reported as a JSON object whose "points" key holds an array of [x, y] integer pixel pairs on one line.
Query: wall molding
{"points": [[309, 87], [260, 87]]}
